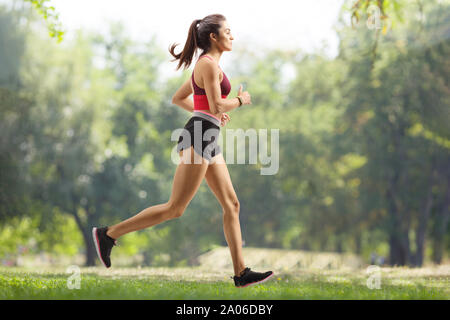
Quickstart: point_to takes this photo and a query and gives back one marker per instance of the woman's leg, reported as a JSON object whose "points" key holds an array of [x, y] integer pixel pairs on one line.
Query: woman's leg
{"points": [[218, 179], [187, 179]]}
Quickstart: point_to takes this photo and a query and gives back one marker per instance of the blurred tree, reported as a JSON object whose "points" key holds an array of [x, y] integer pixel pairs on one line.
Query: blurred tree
{"points": [[390, 107], [15, 118]]}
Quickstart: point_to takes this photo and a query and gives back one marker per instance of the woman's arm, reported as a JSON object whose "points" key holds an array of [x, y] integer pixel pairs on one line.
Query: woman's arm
{"points": [[181, 97], [186, 103], [213, 93]]}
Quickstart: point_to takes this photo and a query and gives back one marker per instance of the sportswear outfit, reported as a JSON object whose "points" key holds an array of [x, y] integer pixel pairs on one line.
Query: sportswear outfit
{"points": [[202, 130]]}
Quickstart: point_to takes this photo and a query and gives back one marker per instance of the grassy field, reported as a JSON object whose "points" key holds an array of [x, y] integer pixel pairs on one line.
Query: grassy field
{"points": [[201, 283]]}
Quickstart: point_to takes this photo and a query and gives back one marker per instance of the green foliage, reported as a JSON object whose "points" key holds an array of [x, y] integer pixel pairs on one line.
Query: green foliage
{"points": [[27, 235], [387, 8], [51, 17], [19, 231], [85, 133]]}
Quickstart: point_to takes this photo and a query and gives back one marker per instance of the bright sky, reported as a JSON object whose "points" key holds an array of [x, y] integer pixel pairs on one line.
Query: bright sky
{"points": [[301, 24]]}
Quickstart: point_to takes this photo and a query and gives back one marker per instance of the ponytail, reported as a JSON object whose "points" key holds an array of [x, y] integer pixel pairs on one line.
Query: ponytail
{"points": [[198, 37], [189, 49]]}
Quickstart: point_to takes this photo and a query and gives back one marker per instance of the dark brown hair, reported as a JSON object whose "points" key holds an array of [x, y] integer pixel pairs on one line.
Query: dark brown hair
{"points": [[198, 37]]}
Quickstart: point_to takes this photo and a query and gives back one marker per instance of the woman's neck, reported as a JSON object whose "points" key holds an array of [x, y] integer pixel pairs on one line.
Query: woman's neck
{"points": [[215, 55]]}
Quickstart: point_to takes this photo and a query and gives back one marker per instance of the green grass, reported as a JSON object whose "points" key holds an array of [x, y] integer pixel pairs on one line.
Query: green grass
{"points": [[192, 283]]}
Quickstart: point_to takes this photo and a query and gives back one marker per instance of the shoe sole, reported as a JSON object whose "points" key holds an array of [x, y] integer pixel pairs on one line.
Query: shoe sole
{"points": [[257, 282], [97, 245]]}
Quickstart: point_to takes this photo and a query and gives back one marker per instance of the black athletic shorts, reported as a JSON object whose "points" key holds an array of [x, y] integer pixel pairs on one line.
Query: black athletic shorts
{"points": [[202, 132]]}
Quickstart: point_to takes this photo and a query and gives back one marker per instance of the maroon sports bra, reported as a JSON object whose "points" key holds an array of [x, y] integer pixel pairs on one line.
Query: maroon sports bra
{"points": [[200, 99]]}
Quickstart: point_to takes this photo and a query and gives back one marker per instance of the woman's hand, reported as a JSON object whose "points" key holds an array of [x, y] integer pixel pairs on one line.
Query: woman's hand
{"points": [[224, 119], [246, 98]]}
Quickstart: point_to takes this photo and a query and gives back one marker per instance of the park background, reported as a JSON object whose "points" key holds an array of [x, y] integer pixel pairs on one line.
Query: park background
{"points": [[86, 120]]}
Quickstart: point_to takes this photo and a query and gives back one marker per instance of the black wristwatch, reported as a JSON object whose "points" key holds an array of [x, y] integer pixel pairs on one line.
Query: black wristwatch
{"points": [[240, 100]]}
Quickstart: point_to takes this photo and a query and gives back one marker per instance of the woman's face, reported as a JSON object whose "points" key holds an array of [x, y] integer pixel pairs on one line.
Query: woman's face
{"points": [[225, 38]]}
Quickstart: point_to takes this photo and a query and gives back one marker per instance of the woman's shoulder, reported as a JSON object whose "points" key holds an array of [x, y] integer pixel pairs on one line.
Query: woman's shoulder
{"points": [[204, 65]]}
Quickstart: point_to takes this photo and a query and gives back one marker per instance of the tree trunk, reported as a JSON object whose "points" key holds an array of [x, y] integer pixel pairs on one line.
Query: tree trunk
{"points": [[393, 249], [405, 257], [439, 244], [399, 252], [441, 226], [423, 223], [90, 253], [339, 245], [358, 241]]}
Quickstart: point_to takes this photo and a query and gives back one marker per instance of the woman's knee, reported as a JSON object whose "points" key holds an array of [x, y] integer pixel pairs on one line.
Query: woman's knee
{"points": [[232, 207], [176, 210]]}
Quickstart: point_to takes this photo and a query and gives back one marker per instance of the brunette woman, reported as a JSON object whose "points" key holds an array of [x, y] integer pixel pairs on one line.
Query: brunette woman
{"points": [[200, 155]]}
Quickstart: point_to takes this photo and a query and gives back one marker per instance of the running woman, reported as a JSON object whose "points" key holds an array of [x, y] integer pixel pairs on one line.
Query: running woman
{"points": [[199, 157]]}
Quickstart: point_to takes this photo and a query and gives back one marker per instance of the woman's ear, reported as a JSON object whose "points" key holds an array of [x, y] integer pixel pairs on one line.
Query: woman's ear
{"points": [[213, 36]]}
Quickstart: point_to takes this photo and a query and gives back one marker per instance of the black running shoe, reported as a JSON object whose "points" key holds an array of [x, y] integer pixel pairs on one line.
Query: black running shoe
{"points": [[250, 278], [103, 245]]}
